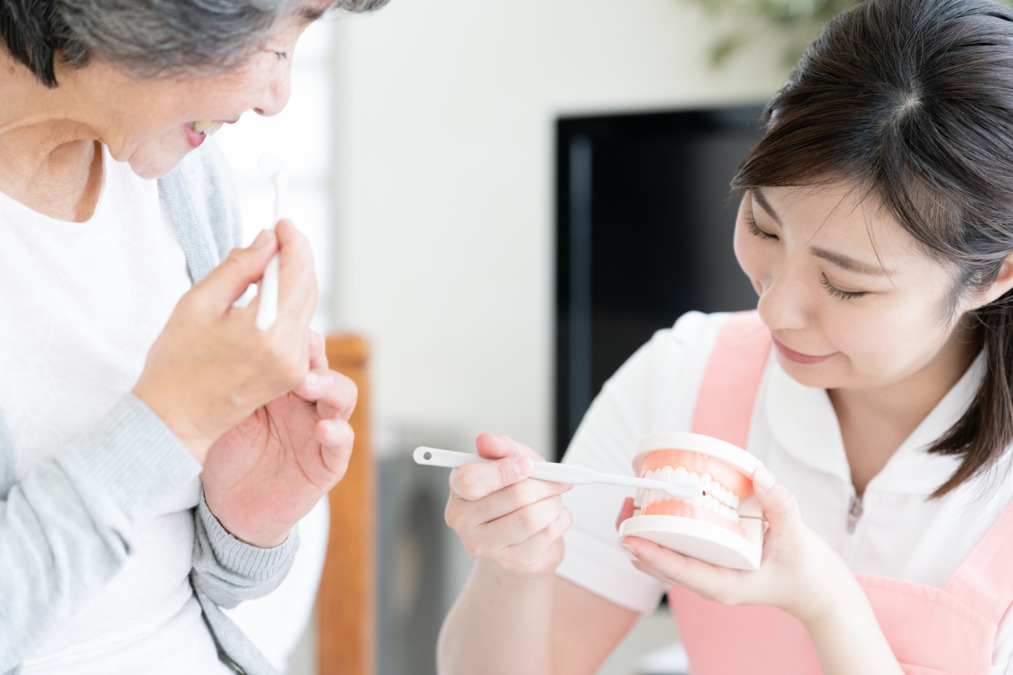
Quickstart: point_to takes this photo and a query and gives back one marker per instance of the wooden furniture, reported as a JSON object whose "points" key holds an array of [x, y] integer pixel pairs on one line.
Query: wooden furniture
{"points": [[346, 600]]}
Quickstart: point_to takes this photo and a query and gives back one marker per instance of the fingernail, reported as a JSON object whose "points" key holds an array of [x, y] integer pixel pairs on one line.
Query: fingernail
{"points": [[630, 551], [312, 378], [763, 478], [262, 239]]}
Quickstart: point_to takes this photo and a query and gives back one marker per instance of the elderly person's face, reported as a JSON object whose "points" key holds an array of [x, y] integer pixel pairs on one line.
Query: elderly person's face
{"points": [[153, 123]]}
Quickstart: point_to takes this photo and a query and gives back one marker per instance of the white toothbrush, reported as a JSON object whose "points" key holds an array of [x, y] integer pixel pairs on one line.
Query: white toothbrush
{"points": [[562, 473], [267, 311]]}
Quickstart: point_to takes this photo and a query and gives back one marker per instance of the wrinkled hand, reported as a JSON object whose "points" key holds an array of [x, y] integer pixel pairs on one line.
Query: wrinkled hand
{"points": [[210, 367], [505, 517], [799, 572], [266, 473]]}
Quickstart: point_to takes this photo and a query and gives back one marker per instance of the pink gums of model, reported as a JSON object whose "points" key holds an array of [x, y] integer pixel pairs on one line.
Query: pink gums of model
{"points": [[724, 525]]}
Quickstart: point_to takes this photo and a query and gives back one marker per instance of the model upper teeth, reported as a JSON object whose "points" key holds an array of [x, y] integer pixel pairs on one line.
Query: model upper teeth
{"points": [[716, 497], [206, 127]]}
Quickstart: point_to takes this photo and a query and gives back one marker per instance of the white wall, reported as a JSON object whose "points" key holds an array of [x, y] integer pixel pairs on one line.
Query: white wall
{"points": [[443, 247], [420, 143]]}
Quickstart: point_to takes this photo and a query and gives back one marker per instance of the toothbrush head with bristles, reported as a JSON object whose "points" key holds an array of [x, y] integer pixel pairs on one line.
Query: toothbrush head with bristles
{"points": [[267, 311]]}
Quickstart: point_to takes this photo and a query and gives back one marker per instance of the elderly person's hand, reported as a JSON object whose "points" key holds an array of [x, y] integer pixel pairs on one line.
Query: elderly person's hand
{"points": [[211, 367], [268, 472], [261, 410]]}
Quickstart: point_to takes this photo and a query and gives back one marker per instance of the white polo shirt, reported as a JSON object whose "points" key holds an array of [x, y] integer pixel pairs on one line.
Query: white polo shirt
{"points": [[794, 432]]}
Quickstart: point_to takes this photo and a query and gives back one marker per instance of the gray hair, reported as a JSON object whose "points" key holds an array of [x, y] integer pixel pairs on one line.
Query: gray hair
{"points": [[146, 38]]}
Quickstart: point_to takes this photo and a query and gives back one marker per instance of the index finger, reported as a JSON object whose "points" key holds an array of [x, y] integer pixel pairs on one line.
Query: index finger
{"points": [[475, 481], [297, 279]]}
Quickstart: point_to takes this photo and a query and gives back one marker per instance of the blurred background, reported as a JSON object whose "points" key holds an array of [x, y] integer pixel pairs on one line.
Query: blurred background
{"points": [[441, 161]]}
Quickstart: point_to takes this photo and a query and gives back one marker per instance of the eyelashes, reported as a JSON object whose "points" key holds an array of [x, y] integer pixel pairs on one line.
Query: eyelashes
{"points": [[838, 293], [755, 229], [824, 282]]}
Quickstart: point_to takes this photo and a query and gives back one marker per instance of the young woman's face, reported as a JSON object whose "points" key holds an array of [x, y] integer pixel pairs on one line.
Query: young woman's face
{"points": [[154, 123], [850, 299]]}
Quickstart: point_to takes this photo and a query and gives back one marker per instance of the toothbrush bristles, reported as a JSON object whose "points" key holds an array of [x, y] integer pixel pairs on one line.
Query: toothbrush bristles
{"points": [[270, 165]]}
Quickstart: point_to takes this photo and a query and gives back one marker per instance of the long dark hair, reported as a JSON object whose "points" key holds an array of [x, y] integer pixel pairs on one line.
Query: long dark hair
{"points": [[911, 101]]}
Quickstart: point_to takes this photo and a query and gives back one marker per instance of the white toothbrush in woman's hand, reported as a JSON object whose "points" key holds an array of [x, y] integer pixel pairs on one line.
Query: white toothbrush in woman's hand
{"points": [[563, 473], [267, 310]]}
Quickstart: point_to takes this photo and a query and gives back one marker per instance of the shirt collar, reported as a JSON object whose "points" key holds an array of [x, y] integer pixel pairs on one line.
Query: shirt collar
{"points": [[803, 422]]}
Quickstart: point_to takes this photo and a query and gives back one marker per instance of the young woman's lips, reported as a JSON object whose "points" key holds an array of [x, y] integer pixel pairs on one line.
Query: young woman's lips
{"points": [[797, 357]]}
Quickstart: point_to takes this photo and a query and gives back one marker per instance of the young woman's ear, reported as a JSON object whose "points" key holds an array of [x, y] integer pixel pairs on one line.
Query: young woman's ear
{"points": [[1003, 283]]}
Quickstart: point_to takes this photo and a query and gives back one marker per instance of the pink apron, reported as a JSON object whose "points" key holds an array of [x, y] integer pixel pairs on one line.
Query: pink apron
{"points": [[930, 630]]}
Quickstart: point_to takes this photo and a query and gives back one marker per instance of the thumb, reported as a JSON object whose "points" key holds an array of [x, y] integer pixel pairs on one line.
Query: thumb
{"points": [[243, 266], [780, 508], [494, 446]]}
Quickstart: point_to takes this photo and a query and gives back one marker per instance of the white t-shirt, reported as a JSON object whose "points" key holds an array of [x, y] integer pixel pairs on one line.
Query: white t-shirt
{"points": [[794, 432], [82, 305]]}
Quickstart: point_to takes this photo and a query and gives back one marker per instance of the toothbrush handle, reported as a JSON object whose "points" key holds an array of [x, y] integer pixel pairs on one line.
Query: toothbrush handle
{"points": [[559, 473], [549, 471], [445, 458], [267, 310]]}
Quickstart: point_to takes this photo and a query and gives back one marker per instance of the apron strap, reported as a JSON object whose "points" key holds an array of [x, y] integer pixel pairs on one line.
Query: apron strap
{"points": [[983, 581], [724, 404]]}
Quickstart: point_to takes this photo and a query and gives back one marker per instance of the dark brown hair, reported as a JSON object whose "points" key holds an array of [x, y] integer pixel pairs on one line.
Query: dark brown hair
{"points": [[911, 102]]}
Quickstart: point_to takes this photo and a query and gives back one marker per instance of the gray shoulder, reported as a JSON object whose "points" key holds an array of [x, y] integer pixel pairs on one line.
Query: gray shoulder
{"points": [[201, 199]]}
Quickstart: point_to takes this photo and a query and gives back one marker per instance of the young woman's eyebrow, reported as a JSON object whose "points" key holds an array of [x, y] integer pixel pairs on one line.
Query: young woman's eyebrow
{"points": [[849, 263], [839, 259]]}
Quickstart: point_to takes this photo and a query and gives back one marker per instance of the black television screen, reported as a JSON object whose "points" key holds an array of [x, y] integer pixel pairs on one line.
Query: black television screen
{"points": [[643, 234]]}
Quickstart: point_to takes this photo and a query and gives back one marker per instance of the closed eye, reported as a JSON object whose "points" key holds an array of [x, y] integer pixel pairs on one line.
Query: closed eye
{"points": [[838, 293], [755, 229]]}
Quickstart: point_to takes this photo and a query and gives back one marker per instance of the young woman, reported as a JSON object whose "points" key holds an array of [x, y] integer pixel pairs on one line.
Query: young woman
{"points": [[876, 225], [156, 448]]}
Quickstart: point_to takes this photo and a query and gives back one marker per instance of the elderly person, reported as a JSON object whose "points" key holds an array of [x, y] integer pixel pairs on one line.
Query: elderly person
{"points": [[156, 448]]}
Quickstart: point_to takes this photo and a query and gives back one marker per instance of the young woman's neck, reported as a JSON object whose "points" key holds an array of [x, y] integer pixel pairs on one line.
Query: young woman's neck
{"points": [[875, 422]]}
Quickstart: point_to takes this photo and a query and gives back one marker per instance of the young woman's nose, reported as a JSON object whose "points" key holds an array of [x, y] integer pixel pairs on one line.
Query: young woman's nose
{"points": [[783, 301]]}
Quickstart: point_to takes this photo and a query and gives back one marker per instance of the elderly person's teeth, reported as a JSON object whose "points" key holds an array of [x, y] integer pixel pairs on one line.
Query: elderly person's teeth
{"points": [[206, 127]]}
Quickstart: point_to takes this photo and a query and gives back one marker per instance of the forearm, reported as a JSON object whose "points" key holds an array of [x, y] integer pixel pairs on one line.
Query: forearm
{"points": [[68, 526], [500, 625], [849, 639]]}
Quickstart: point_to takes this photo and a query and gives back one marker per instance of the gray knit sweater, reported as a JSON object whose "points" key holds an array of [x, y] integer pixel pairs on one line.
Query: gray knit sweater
{"points": [[67, 528]]}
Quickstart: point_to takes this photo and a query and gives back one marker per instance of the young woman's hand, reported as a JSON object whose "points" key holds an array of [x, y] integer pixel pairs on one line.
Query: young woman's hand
{"points": [[505, 517], [211, 367], [799, 572], [267, 472]]}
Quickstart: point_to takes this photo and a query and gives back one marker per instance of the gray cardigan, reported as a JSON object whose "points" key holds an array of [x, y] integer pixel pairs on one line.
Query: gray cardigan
{"points": [[69, 526]]}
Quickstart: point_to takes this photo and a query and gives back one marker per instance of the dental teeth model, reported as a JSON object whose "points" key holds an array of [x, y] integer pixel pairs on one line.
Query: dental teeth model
{"points": [[724, 525]]}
